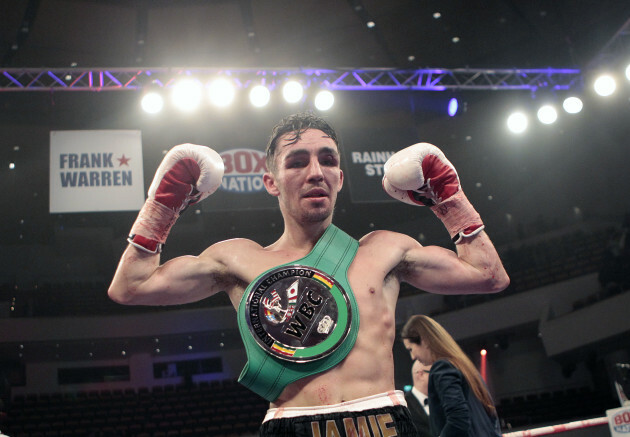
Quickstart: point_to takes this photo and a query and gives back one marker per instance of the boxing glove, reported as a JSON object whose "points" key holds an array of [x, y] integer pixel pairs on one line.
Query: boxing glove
{"points": [[188, 174], [421, 175]]}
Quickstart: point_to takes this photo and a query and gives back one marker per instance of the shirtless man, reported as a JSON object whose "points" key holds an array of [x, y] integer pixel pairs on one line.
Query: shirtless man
{"points": [[356, 392]]}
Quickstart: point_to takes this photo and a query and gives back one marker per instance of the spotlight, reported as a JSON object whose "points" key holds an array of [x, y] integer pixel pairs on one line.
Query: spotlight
{"points": [[628, 72], [572, 105], [547, 114], [517, 122], [324, 100], [292, 91], [187, 95], [221, 92], [152, 102], [259, 96], [605, 85], [453, 105]]}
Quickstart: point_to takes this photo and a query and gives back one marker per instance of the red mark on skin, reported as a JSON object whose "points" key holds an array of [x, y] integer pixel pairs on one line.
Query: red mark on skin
{"points": [[323, 395], [372, 290]]}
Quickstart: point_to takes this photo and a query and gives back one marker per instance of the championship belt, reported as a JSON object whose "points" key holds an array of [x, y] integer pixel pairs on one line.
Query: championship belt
{"points": [[300, 318]]}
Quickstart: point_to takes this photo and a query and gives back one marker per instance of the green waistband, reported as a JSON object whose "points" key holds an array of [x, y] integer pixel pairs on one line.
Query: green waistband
{"points": [[267, 375]]}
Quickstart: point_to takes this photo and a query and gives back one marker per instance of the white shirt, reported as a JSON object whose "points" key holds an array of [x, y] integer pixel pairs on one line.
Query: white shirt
{"points": [[421, 398]]}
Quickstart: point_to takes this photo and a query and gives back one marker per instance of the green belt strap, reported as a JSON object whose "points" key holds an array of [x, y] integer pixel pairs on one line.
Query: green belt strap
{"points": [[267, 375]]}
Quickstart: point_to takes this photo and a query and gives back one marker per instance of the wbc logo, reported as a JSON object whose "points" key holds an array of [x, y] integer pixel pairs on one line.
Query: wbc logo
{"points": [[244, 169], [298, 313]]}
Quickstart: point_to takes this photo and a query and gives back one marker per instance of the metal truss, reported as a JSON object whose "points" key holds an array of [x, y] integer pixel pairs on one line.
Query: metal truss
{"points": [[616, 48], [113, 79]]}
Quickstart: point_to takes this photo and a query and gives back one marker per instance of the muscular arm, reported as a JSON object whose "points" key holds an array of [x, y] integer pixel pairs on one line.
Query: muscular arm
{"points": [[474, 268], [141, 280], [421, 175], [187, 174]]}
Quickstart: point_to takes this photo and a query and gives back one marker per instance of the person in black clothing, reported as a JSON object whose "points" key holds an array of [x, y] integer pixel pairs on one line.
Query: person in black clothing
{"points": [[417, 399], [459, 401]]}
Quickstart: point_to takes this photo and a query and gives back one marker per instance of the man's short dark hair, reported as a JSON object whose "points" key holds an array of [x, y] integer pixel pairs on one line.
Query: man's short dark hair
{"points": [[296, 123]]}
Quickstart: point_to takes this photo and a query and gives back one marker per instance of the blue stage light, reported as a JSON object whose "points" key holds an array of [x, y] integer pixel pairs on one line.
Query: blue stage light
{"points": [[452, 107]]}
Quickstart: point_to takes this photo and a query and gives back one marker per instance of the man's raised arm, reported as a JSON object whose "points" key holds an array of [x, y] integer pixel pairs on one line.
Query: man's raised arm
{"points": [[188, 173], [421, 175]]}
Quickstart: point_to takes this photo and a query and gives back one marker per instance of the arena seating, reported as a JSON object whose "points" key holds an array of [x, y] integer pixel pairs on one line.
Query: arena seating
{"points": [[217, 408], [542, 261], [227, 409], [552, 407]]}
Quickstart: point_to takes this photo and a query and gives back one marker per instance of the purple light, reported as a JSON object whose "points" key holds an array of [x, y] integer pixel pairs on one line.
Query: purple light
{"points": [[452, 107]]}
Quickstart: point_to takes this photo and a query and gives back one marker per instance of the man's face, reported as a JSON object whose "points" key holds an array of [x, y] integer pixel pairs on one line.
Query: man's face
{"points": [[307, 177], [420, 374]]}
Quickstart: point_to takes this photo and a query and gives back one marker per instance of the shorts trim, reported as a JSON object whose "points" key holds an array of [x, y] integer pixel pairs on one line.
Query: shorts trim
{"points": [[388, 399]]}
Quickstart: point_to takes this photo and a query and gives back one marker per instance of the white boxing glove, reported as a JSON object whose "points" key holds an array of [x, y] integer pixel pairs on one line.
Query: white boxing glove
{"points": [[188, 174], [421, 175]]}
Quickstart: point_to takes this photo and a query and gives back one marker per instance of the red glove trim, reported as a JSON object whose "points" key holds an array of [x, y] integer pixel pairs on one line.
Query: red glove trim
{"points": [[145, 244]]}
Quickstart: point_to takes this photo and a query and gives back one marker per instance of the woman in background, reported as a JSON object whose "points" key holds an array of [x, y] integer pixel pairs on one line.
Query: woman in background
{"points": [[459, 401]]}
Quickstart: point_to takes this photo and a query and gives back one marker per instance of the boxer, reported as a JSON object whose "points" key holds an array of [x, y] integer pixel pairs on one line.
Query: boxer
{"points": [[316, 308]]}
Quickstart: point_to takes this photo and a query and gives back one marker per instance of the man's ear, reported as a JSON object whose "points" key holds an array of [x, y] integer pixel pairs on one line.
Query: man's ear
{"points": [[340, 180], [270, 184]]}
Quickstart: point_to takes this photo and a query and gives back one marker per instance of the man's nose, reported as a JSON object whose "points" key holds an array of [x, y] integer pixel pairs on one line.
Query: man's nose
{"points": [[315, 169]]}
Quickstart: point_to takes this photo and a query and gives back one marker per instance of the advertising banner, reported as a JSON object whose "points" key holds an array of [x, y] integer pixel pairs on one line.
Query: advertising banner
{"points": [[365, 154], [96, 170], [242, 186], [619, 421]]}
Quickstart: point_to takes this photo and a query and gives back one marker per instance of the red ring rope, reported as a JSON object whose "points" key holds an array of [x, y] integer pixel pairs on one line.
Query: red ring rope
{"points": [[547, 430]]}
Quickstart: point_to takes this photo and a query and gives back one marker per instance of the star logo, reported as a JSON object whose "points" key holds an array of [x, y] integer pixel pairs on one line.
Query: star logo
{"points": [[123, 161]]}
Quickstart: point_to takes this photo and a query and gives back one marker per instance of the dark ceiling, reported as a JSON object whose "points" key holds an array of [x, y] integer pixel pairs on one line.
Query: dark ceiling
{"points": [[316, 33]]}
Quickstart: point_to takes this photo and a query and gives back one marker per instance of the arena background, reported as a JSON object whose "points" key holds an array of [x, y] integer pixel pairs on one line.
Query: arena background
{"points": [[554, 199]]}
